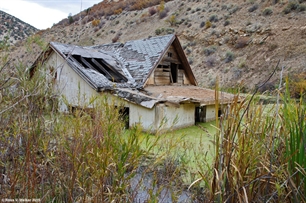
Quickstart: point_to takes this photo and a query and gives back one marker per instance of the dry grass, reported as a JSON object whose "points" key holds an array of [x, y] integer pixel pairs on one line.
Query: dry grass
{"points": [[260, 154]]}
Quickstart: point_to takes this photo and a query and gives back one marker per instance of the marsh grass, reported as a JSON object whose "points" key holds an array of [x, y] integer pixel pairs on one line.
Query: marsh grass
{"points": [[87, 155], [58, 157], [294, 131], [253, 153], [259, 153]]}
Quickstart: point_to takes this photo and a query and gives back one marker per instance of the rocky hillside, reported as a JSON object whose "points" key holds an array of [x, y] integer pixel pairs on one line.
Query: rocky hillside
{"points": [[237, 41], [13, 29]]}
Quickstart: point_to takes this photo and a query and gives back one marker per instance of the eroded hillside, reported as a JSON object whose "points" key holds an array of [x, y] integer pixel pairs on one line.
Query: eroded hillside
{"points": [[239, 42], [13, 29]]}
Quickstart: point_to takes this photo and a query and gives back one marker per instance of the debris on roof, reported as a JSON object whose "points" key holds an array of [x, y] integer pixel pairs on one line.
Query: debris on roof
{"points": [[123, 70]]}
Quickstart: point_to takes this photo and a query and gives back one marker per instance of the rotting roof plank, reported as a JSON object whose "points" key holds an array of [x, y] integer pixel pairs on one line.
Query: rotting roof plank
{"points": [[114, 70], [101, 68]]}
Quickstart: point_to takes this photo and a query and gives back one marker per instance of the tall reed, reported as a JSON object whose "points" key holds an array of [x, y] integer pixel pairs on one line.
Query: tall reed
{"points": [[85, 156], [259, 153], [294, 133]]}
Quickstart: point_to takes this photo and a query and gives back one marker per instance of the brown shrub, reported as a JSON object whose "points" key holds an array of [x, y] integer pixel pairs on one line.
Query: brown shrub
{"points": [[130, 5], [242, 42], [116, 38], [152, 11]]}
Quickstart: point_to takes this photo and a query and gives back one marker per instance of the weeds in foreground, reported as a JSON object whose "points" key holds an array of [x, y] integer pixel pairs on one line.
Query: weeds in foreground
{"points": [[259, 153], [86, 156], [294, 132]]}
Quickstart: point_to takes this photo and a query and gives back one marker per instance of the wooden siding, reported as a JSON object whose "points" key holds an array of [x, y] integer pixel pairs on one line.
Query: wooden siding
{"points": [[180, 76], [186, 80], [169, 67], [162, 75]]}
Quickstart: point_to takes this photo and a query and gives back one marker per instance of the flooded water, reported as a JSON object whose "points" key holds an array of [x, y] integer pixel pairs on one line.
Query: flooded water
{"points": [[144, 190]]}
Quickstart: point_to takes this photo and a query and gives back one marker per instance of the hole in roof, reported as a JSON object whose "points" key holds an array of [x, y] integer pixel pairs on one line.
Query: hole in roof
{"points": [[100, 66]]}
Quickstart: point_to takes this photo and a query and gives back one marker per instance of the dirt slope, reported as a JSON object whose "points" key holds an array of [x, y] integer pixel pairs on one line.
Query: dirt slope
{"points": [[240, 42], [13, 29]]}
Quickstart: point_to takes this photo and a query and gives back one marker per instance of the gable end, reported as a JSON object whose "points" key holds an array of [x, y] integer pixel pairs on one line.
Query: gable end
{"points": [[172, 67]]}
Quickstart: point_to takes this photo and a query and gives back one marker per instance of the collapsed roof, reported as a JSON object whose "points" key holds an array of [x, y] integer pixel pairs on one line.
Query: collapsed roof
{"points": [[123, 70]]}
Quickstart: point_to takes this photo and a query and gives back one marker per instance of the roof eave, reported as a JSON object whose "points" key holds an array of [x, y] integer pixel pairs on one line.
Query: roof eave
{"points": [[185, 62], [43, 56]]}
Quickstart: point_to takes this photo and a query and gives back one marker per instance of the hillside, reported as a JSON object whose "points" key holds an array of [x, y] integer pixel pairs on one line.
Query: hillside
{"points": [[240, 42], [13, 29]]}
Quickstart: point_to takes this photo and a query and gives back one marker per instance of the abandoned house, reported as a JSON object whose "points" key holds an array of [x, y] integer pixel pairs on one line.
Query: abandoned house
{"points": [[150, 77]]}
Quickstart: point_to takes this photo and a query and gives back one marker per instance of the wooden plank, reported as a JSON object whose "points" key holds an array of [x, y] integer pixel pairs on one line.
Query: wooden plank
{"points": [[173, 51], [151, 80], [162, 81], [159, 70], [180, 78], [186, 80], [171, 78], [163, 74], [171, 60], [164, 63]]}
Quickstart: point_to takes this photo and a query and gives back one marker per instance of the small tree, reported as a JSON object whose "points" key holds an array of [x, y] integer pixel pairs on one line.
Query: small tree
{"points": [[70, 18], [172, 20], [161, 7]]}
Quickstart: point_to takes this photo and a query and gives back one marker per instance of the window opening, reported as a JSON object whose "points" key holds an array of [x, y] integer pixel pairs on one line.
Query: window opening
{"points": [[124, 114], [174, 72], [219, 113], [200, 114]]}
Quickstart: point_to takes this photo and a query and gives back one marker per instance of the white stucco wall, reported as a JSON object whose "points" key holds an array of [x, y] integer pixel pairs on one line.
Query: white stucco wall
{"points": [[70, 84], [210, 113], [174, 117], [78, 93], [144, 116]]}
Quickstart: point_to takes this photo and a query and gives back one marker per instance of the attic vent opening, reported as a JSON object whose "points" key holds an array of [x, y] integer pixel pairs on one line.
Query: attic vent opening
{"points": [[169, 54], [102, 67]]}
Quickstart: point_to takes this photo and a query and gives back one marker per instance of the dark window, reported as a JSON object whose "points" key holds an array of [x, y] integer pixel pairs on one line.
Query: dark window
{"points": [[124, 114], [169, 54], [200, 114], [174, 72], [219, 113]]}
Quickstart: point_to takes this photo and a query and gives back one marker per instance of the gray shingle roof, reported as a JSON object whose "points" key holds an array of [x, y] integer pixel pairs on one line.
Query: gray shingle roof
{"points": [[139, 57], [134, 60], [123, 70]]}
